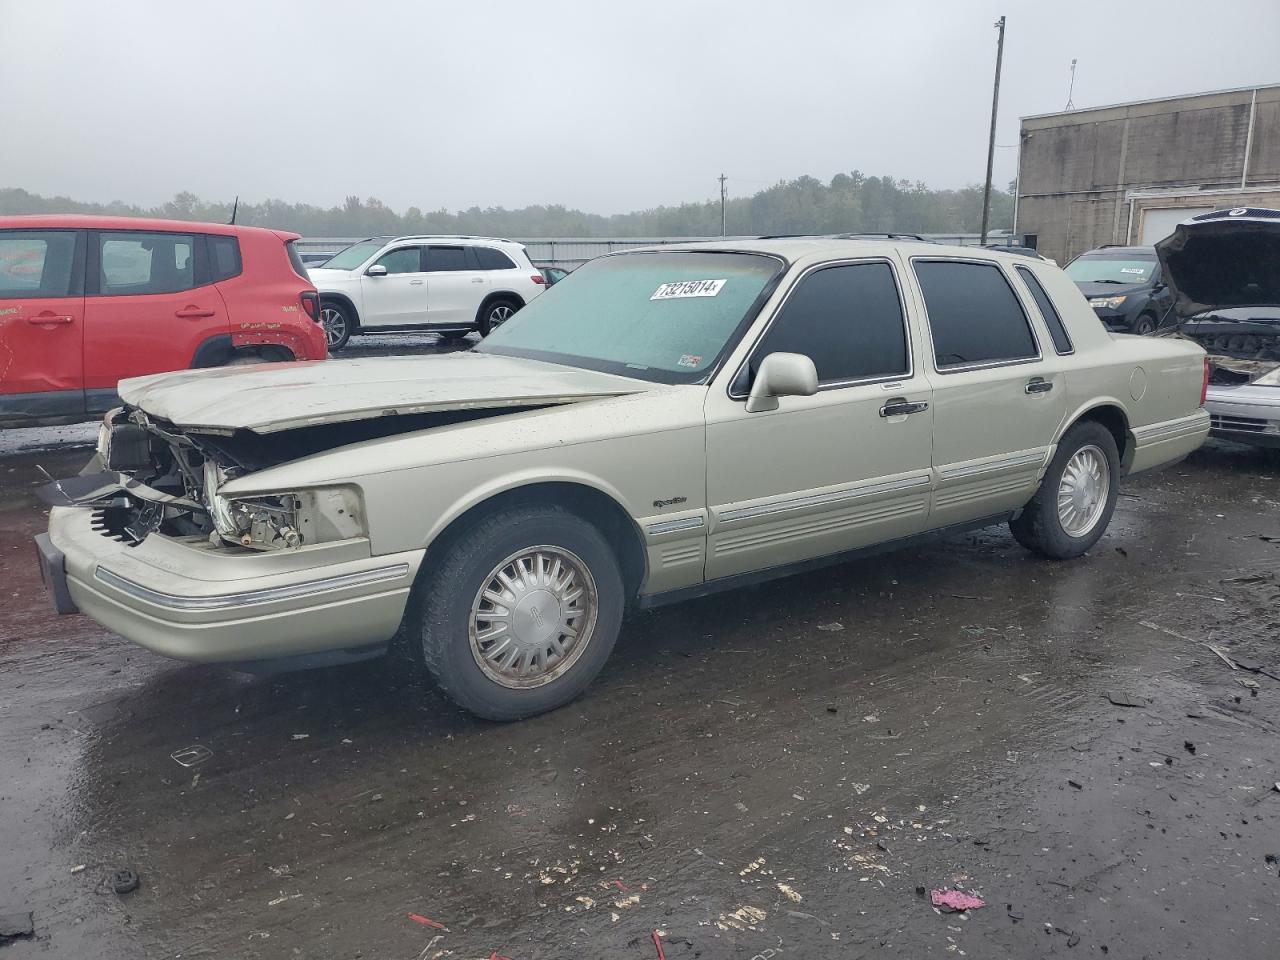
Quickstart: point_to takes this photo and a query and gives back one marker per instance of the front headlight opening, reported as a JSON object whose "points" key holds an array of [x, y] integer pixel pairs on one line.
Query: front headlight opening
{"points": [[288, 520]]}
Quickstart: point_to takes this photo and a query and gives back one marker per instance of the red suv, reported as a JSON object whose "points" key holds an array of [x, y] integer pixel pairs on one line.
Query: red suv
{"points": [[88, 301]]}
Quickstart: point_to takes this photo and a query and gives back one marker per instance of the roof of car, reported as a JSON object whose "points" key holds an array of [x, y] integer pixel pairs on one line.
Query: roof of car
{"points": [[441, 236], [797, 248], [85, 221], [1116, 250]]}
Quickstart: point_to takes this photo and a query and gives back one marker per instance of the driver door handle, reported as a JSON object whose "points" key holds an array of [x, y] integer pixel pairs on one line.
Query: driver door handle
{"points": [[1038, 385], [899, 406], [416, 283]]}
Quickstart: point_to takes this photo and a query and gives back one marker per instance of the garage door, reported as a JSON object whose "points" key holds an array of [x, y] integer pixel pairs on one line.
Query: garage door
{"points": [[1158, 223]]}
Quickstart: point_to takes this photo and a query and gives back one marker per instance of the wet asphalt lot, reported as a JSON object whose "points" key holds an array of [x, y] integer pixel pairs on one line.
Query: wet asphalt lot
{"points": [[776, 769]]}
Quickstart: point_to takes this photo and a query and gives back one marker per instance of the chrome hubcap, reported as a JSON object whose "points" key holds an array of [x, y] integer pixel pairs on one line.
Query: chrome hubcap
{"points": [[499, 315], [334, 323], [1083, 491], [533, 616]]}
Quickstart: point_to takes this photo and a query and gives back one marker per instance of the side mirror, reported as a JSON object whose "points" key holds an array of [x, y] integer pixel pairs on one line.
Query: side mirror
{"points": [[377, 270], [782, 375]]}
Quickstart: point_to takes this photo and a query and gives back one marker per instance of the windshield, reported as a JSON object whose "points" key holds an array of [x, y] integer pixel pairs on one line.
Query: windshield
{"points": [[1089, 269], [663, 316], [354, 255]]}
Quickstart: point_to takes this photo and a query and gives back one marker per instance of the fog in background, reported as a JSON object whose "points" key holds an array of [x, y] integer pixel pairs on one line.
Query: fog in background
{"points": [[602, 106]]}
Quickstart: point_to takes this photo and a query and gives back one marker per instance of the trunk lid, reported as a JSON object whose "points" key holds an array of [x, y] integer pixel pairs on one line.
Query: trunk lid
{"points": [[275, 397]]}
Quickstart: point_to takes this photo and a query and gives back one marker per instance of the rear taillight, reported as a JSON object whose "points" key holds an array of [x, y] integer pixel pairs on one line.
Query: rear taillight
{"points": [[311, 304], [538, 278], [1204, 384]]}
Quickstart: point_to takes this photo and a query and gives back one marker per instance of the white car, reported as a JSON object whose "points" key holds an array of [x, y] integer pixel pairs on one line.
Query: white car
{"points": [[447, 285]]}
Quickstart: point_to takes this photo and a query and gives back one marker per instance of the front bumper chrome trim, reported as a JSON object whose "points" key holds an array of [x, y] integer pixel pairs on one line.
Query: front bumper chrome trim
{"points": [[225, 601]]}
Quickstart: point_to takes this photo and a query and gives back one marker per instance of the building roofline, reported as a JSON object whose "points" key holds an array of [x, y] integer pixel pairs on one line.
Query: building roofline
{"points": [[1140, 103]]}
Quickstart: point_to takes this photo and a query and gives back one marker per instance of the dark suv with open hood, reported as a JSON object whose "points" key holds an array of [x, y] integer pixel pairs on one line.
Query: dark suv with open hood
{"points": [[1124, 287], [1223, 270]]}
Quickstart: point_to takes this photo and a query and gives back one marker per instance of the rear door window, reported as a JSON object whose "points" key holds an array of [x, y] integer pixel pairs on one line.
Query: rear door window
{"points": [[974, 316], [135, 263], [446, 259], [38, 263], [847, 319], [1061, 340]]}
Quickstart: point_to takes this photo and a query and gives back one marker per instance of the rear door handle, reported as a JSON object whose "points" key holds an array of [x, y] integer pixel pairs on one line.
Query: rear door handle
{"points": [[50, 319], [477, 279], [193, 313], [416, 283], [898, 407], [1038, 386]]}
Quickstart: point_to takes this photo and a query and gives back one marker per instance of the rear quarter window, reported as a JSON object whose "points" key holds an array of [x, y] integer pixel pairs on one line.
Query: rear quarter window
{"points": [[1061, 340], [224, 257], [295, 260], [491, 259], [974, 315]]}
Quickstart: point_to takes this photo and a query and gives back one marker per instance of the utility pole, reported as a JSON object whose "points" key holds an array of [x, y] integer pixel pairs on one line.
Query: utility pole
{"points": [[991, 143], [722, 206]]}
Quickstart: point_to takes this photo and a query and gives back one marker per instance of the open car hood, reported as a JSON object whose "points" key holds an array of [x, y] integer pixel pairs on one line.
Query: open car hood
{"points": [[1223, 259], [274, 397]]}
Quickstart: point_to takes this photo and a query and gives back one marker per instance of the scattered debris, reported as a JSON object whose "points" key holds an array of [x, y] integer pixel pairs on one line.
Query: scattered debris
{"points": [[790, 893], [192, 755], [1190, 747], [833, 709], [1256, 578], [1015, 917], [78, 868], [800, 915], [124, 881], [744, 918], [427, 922], [1076, 784], [831, 627], [1124, 700], [16, 926], [301, 736], [1222, 655], [955, 901], [657, 942], [860, 788]]}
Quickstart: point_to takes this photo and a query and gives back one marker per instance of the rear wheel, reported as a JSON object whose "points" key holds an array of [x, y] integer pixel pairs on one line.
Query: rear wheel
{"points": [[338, 324], [521, 612], [1073, 506], [494, 314]]}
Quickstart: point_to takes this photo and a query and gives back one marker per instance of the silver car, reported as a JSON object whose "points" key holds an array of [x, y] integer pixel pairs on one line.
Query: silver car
{"points": [[662, 424], [1224, 271]]}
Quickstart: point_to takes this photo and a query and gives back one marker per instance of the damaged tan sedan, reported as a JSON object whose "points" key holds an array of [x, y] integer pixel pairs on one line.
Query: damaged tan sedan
{"points": [[662, 424]]}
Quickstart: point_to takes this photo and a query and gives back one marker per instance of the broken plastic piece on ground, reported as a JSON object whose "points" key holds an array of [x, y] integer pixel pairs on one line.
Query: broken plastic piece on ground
{"points": [[16, 926], [1124, 700], [956, 900], [192, 755], [833, 627], [427, 922], [124, 880]]}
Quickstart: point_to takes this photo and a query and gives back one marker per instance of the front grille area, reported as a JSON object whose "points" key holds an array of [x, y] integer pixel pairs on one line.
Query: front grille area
{"points": [[1237, 424]]}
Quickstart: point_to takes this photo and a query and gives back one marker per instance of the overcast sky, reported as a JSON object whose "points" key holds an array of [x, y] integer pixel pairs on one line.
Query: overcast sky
{"points": [[608, 105]]}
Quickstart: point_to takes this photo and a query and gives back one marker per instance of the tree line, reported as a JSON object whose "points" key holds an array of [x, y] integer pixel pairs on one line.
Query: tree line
{"points": [[850, 202]]}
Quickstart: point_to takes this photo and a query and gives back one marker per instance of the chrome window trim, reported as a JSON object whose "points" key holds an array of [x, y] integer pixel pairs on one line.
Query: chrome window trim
{"points": [[671, 526], [1019, 269], [821, 499], [978, 469], [834, 384], [986, 364], [224, 601]]}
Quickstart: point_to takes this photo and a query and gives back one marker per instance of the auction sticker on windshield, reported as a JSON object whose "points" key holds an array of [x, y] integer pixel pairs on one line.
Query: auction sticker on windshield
{"points": [[688, 288]]}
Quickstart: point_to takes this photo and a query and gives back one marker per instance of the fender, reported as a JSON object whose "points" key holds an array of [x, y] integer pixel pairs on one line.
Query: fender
{"points": [[1095, 403], [346, 301], [507, 483]]}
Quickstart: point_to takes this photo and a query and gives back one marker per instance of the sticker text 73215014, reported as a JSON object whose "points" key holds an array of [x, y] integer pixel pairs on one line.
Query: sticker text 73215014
{"points": [[688, 288]]}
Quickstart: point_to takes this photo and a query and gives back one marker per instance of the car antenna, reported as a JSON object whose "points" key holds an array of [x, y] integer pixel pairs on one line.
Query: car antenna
{"points": [[234, 207]]}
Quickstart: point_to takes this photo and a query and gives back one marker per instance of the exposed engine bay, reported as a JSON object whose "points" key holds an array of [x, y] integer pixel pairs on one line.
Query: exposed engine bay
{"points": [[150, 476], [1243, 343]]}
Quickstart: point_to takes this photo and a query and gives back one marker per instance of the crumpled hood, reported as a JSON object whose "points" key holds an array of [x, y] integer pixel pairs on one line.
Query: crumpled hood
{"points": [[1223, 259], [272, 397]]}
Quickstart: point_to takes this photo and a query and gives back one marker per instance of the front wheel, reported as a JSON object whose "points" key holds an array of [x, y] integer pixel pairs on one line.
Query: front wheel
{"points": [[521, 612], [338, 325], [495, 314], [1077, 496], [1146, 325]]}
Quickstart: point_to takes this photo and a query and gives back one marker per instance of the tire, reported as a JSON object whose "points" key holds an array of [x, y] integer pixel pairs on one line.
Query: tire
{"points": [[338, 323], [1044, 526], [451, 627], [1145, 325], [245, 360], [454, 336], [494, 314]]}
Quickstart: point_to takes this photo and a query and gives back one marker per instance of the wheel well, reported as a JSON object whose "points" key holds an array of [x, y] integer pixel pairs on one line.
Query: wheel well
{"points": [[344, 301], [272, 353], [501, 295], [598, 509], [1117, 423]]}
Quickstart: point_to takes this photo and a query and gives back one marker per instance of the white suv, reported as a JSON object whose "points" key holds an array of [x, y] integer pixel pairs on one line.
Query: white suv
{"points": [[448, 285]]}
